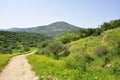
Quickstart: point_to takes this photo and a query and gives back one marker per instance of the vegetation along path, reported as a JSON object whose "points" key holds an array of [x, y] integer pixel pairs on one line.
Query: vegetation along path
{"points": [[18, 69]]}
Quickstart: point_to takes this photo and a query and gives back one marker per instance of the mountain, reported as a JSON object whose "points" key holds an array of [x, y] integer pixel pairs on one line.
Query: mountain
{"points": [[50, 30]]}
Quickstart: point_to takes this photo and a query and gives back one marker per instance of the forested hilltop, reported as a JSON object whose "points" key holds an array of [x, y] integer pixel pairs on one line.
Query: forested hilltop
{"points": [[53, 29]]}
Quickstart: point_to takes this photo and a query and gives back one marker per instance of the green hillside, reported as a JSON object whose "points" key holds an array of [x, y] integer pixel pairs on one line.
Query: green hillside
{"points": [[91, 58], [86, 54], [10, 41]]}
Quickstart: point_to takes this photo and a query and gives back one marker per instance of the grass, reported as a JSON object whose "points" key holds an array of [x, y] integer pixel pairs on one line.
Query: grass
{"points": [[83, 63], [4, 59], [70, 69], [48, 68]]}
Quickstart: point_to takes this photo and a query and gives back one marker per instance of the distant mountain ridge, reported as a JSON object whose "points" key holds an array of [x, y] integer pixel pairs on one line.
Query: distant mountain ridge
{"points": [[50, 30]]}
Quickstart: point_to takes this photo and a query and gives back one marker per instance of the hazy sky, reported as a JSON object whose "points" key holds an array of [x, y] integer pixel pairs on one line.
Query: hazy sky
{"points": [[82, 13]]}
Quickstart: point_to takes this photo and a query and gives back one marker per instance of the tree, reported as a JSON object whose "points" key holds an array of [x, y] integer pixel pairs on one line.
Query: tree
{"points": [[68, 37]]}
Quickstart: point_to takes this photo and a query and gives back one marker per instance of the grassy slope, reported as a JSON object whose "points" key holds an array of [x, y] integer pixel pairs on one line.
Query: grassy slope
{"points": [[48, 68], [89, 44], [71, 68], [4, 58]]}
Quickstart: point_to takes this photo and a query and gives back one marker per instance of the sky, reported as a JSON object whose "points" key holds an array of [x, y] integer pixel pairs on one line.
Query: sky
{"points": [[82, 13]]}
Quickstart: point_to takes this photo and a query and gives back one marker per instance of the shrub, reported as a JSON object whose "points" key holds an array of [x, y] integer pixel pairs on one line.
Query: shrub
{"points": [[88, 59], [68, 37], [118, 47], [26, 49], [43, 52], [64, 53], [45, 44], [13, 46], [116, 69], [101, 50], [106, 61], [56, 47], [79, 62], [5, 50], [38, 52]]}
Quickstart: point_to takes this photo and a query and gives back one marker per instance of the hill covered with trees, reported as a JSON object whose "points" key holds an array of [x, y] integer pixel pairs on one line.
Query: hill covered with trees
{"points": [[53, 29], [22, 41]]}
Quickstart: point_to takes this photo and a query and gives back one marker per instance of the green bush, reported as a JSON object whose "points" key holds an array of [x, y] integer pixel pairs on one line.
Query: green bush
{"points": [[65, 53], [13, 46], [38, 52], [43, 52], [116, 69], [68, 37], [6, 50], [118, 48], [79, 62], [106, 61], [44, 44], [55, 49], [101, 50], [26, 49]]}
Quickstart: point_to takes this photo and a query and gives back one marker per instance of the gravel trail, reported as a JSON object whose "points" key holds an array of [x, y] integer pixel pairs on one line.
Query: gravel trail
{"points": [[18, 69]]}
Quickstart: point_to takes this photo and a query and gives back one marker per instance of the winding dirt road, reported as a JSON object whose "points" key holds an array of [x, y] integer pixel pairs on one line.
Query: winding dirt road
{"points": [[18, 69]]}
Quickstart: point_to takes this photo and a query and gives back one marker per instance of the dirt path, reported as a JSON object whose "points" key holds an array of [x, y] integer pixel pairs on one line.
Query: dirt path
{"points": [[18, 69], [103, 39]]}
